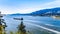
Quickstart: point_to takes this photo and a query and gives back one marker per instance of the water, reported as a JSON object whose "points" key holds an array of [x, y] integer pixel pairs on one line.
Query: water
{"points": [[47, 22]]}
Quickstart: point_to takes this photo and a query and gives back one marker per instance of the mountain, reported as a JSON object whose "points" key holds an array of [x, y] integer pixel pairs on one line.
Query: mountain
{"points": [[45, 12]]}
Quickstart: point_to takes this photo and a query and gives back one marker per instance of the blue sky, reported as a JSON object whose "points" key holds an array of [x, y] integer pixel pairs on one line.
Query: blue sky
{"points": [[26, 6]]}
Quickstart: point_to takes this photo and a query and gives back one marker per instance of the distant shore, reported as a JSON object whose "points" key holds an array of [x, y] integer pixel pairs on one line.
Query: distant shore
{"points": [[56, 17]]}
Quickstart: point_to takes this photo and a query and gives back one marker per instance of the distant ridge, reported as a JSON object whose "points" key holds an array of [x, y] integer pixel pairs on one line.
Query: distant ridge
{"points": [[44, 12], [52, 11]]}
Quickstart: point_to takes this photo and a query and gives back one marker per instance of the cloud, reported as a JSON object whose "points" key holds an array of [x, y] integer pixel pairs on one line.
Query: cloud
{"points": [[28, 9], [51, 4], [7, 10]]}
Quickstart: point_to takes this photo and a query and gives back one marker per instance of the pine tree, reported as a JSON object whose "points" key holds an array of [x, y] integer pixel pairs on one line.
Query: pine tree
{"points": [[21, 27], [2, 24]]}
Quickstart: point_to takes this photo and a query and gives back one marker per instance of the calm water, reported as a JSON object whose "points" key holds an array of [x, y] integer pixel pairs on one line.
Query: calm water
{"points": [[47, 22]]}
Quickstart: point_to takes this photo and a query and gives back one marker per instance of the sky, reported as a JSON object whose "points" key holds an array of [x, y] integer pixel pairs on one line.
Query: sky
{"points": [[26, 6]]}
